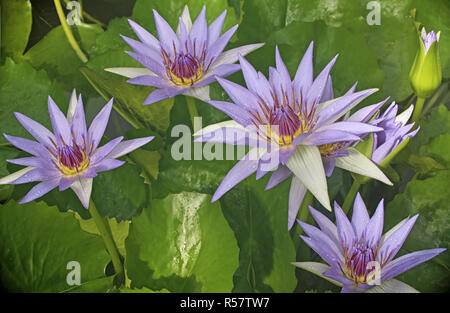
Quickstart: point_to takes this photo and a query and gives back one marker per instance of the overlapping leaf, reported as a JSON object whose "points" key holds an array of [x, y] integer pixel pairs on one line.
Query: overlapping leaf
{"points": [[37, 243], [184, 244]]}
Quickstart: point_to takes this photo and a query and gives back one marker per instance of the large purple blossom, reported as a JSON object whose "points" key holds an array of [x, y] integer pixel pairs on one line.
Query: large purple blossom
{"points": [[185, 62], [344, 155], [359, 257], [295, 118], [70, 156]]}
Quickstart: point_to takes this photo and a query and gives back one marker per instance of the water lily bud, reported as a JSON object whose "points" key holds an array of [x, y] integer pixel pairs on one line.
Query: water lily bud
{"points": [[426, 73]]}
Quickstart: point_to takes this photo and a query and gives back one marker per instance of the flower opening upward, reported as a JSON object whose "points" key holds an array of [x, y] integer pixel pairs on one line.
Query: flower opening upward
{"points": [[70, 156], [359, 257], [300, 121], [184, 62]]}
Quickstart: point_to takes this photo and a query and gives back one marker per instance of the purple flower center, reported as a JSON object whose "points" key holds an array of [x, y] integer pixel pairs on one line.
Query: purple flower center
{"points": [[185, 66], [359, 261], [284, 120], [70, 159]]}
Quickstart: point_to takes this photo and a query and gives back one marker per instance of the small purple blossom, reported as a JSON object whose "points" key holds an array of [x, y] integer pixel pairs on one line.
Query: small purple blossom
{"points": [[70, 157], [295, 119], [428, 38], [359, 257], [185, 62], [395, 131]]}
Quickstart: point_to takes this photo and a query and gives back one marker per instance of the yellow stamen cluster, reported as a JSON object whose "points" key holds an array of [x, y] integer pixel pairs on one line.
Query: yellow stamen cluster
{"points": [[330, 148], [75, 170]]}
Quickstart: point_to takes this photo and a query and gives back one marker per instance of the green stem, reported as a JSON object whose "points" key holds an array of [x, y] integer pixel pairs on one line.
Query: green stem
{"points": [[192, 109], [84, 14], [73, 43], [432, 101], [105, 231], [351, 196], [418, 109], [304, 211]]}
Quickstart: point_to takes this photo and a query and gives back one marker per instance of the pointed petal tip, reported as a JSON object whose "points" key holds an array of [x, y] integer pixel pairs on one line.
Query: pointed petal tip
{"points": [[18, 115], [414, 218], [214, 198], [305, 238], [301, 223], [85, 205], [23, 201], [311, 209]]}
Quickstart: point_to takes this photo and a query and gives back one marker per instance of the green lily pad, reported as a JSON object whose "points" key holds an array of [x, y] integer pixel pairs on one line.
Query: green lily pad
{"points": [[15, 27], [128, 101], [37, 243], [429, 198], [182, 243], [439, 148], [120, 193], [54, 54], [259, 221], [25, 90], [428, 151], [191, 175]]}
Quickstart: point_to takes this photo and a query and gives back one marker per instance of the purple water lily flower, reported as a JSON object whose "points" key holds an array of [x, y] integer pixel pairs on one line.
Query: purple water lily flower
{"points": [[70, 156], [359, 258], [395, 131], [294, 118], [337, 154], [185, 62]]}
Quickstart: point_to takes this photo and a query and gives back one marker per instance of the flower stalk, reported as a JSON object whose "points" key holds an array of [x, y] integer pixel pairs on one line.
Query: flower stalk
{"points": [[73, 43], [351, 195], [304, 211], [105, 232], [191, 108], [418, 109]]}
